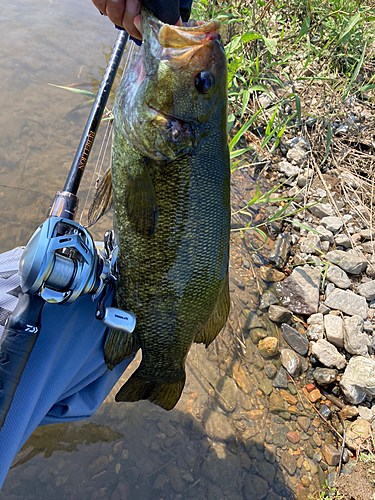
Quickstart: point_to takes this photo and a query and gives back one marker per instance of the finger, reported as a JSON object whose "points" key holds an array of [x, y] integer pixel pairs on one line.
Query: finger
{"points": [[132, 11], [115, 9], [100, 5]]}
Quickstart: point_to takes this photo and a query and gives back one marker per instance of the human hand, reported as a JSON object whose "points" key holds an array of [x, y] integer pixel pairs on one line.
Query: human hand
{"points": [[126, 13]]}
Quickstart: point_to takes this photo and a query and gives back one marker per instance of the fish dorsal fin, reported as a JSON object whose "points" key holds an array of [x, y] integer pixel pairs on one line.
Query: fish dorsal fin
{"points": [[218, 317], [140, 202], [103, 199]]}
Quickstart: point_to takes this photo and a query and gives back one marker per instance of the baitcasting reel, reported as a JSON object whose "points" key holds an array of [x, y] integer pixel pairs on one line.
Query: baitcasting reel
{"points": [[61, 262]]}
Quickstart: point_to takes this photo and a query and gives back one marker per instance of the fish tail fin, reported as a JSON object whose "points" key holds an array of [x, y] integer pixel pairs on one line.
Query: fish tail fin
{"points": [[164, 394]]}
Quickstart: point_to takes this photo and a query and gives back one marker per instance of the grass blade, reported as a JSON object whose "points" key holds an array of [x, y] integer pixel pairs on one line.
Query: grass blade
{"points": [[77, 91]]}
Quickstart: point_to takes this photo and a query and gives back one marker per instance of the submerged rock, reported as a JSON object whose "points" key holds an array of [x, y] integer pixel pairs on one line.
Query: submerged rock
{"points": [[280, 252], [279, 314], [290, 361], [324, 376], [268, 346], [300, 291], [358, 381], [267, 299], [296, 340]]}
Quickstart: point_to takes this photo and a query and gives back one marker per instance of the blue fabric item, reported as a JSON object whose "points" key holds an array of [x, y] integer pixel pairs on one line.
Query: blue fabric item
{"points": [[65, 378]]}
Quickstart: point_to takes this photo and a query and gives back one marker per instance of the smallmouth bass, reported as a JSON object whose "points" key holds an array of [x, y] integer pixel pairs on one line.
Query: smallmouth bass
{"points": [[169, 183]]}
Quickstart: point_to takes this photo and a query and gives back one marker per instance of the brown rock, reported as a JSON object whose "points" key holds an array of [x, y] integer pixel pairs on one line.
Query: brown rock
{"points": [[293, 437], [305, 480], [288, 462], [174, 476], [99, 464], [289, 398], [314, 395], [255, 414], [245, 461], [120, 492], [306, 466], [270, 274], [358, 431], [317, 439], [241, 378], [117, 447], [331, 454], [268, 346], [276, 400], [348, 412], [304, 423]]}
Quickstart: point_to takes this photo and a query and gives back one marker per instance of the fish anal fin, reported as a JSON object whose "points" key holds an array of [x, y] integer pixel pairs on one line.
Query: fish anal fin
{"points": [[217, 319], [140, 202], [161, 393], [119, 346], [103, 199]]}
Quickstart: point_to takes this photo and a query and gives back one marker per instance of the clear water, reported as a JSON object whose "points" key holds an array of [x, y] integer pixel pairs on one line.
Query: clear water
{"points": [[203, 449]]}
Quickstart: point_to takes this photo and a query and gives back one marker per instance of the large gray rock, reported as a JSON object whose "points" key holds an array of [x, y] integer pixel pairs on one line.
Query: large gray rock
{"points": [[358, 381], [322, 211], [325, 234], [333, 224], [288, 169], [297, 155], [350, 262], [300, 291], [356, 342], [290, 361], [311, 244], [343, 240], [338, 277], [296, 340], [279, 314], [328, 355], [367, 290], [334, 327], [347, 302]]}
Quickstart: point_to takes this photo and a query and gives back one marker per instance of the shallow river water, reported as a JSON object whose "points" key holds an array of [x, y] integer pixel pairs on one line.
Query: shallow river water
{"points": [[221, 441]]}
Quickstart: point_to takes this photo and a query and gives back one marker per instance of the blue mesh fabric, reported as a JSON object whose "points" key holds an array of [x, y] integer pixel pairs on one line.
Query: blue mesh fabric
{"points": [[65, 378]]}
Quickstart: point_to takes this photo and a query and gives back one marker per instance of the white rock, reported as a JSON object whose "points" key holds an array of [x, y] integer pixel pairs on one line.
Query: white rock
{"points": [[367, 290], [347, 302], [325, 234], [315, 319], [338, 277], [356, 342], [288, 169], [358, 380], [327, 354], [334, 327], [333, 224]]}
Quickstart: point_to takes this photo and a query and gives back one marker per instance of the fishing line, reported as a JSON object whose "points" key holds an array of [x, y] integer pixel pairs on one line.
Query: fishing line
{"points": [[131, 53]]}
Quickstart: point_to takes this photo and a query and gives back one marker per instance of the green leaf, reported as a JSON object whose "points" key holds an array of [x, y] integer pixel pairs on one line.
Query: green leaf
{"points": [[298, 107], [271, 45], [304, 28], [238, 152], [250, 35], [349, 26], [261, 233], [233, 46], [255, 197], [328, 143], [299, 224], [245, 101], [243, 130], [231, 120], [270, 123], [355, 72], [365, 88], [77, 91]]}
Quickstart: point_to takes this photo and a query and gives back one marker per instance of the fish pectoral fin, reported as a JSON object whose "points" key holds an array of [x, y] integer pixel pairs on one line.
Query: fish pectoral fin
{"points": [[119, 346], [140, 202], [217, 319], [103, 199], [159, 392]]}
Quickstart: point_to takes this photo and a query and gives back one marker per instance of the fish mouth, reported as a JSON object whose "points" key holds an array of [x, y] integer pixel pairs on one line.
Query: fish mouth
{"points": [[177, 43]]}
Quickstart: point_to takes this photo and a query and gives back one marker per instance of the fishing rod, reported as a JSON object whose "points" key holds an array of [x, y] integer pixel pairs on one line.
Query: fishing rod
{"points": [[60, 261]]}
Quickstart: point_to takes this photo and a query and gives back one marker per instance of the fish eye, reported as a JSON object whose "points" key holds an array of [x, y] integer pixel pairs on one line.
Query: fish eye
{"points": [[175, 133], [204, 81]]}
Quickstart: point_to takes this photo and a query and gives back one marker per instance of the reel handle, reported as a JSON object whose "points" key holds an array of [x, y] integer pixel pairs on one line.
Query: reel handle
{"points": [[16, 344]]}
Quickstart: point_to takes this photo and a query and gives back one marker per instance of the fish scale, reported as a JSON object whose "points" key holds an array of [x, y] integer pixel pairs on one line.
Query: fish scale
{"points": [[170, 182]]}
